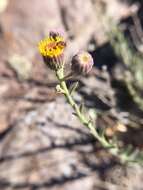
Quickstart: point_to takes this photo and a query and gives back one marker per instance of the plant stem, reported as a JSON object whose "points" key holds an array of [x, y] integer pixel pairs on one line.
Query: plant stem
{"points": [[86, 122], [112, 147]]}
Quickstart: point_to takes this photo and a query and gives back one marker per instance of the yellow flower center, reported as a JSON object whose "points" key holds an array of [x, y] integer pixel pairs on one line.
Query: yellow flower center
{"points": [[85, 58], [52, 46]]}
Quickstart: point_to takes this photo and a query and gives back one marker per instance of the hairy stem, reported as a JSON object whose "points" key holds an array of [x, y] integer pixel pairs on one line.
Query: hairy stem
{"points": [[84, 120], [112, 147]]}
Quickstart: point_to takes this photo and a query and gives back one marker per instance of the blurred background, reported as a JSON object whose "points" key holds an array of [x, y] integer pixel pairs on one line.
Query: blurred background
{"points": [[42, 145]]}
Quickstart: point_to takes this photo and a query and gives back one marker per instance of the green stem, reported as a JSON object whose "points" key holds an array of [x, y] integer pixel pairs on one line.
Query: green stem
{"points": [[81, 116], [112, 148]]}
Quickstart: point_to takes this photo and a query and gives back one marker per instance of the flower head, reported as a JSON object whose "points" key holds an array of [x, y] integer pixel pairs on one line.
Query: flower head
{"points": [[82, 63], [52, 49]]}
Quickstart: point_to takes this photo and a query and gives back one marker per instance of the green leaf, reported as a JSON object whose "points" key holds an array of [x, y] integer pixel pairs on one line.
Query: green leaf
{"points": [[74, 87], [82, 107]]}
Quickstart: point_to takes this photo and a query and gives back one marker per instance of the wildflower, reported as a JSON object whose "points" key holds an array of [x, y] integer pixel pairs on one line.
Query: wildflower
{"points": [[82, 63], [52, 49]]}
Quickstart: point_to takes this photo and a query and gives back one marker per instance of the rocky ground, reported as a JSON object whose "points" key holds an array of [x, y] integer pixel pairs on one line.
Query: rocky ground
{"points": [[42, 145]]}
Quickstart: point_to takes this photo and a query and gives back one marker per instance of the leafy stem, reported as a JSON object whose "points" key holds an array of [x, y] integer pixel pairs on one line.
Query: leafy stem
{"points": [[113, 148]]}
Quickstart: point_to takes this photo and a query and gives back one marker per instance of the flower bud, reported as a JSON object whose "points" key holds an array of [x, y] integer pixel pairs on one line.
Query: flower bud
{"points": [[52, 49], [82, 63]]}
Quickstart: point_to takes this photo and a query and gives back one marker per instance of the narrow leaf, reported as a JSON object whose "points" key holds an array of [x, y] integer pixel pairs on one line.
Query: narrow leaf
{"points": [[82, 107], [73, 87]]}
